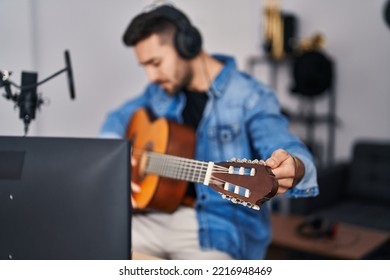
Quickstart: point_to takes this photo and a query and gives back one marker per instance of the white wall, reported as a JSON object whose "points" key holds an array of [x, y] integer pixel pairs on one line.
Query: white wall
{"points": [[16, 54], [358, 40], [34, 34]]}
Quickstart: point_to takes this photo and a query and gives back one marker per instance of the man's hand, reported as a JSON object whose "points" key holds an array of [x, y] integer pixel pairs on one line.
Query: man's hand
{"points": [[134, 187], [288, 170]]}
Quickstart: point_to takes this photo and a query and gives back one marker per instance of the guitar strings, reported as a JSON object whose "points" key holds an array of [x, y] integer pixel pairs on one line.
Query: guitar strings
{"points": [[179, 160], [188, 172], [181, 168]]}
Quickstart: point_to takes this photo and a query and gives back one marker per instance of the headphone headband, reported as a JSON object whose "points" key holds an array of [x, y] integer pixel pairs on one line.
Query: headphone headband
{"points": [[187, 38], [156, 4], [172, 14]]}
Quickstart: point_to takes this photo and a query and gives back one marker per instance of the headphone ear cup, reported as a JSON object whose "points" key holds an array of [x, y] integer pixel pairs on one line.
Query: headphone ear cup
{"points": [[188, 42]]}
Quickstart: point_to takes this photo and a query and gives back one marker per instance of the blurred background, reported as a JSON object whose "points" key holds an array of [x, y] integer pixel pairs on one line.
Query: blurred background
{"points": [[354, 35]]}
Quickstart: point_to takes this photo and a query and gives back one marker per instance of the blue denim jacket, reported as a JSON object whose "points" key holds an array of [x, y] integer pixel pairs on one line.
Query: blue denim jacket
{"points": [[241, 119]]}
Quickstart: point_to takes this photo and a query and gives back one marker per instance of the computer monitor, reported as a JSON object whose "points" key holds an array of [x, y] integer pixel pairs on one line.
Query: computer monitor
{"points": [[64, 198]]}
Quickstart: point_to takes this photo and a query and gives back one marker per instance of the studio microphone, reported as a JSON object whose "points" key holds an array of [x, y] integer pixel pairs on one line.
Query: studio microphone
{"points": [[28, 100]]}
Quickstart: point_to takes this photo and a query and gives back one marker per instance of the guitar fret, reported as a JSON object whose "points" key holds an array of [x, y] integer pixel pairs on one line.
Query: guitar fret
{"points": [[176, 167], [193, 173]]}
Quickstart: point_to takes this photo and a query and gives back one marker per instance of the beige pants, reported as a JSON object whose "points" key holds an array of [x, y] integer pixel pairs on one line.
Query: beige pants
{"points": [[171, 236]]}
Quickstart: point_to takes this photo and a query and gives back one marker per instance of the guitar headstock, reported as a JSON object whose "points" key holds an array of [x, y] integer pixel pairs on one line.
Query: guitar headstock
{"points": [[246, 182]]}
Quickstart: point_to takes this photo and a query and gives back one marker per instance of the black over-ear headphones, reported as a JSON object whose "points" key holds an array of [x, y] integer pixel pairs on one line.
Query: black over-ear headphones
{"points": [[316, 227], [187, 39]]}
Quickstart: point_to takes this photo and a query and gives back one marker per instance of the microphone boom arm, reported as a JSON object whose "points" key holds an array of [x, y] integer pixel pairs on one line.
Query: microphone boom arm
{"points": [[19, 99]]}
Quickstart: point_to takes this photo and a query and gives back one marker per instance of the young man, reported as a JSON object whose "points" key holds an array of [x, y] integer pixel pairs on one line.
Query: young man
{"points": [[233, 116]]}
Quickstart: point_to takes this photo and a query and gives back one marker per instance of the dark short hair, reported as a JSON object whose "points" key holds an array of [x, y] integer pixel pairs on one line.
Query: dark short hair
{"points": [[144, 25]]}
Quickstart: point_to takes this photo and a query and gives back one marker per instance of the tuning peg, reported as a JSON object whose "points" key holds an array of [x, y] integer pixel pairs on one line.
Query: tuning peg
{"points": [[233, 159], [250, 205], [224, 196], [239, 201], [261, 162]]}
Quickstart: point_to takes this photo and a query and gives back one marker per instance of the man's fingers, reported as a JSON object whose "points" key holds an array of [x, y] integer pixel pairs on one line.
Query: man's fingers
{"points": [[271, 163], [282, 164], [133, 160], [283, 172], [282, 190], [285, 183], [133, 203], [277, 158], [135, 187]]}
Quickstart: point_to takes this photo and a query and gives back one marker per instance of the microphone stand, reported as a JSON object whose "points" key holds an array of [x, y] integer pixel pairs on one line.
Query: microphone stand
{"points": [[27, 100]]}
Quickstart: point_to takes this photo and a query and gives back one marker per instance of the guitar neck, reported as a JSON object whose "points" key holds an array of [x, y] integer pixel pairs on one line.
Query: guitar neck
{"points": [[249, 183], [179, 168]]}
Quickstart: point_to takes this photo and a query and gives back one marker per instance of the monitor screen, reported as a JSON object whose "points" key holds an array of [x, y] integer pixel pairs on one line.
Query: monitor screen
{"points": [[64, 198]]}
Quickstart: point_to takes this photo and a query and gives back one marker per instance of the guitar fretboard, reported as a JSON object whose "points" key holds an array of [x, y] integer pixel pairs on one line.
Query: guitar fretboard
{"points": [[176, 167]]}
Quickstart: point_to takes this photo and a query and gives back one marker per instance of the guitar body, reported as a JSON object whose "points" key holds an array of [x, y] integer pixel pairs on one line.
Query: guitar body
{"points": [[165, 137]]}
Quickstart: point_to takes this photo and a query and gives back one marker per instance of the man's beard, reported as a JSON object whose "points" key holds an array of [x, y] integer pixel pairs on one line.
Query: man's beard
{"points": [[183, 81]]}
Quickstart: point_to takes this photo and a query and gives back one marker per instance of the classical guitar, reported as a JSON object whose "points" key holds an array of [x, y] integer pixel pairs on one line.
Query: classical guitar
{"points": [[163, 152]]}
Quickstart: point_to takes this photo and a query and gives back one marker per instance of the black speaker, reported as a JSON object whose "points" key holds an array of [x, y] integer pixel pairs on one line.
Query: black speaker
{"points": [[316, 227], [187, 39], [312, 73]]}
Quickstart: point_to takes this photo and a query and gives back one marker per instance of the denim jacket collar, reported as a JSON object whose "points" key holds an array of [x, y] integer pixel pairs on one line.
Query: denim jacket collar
{"points": [[218, 85], [171, 106]]}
